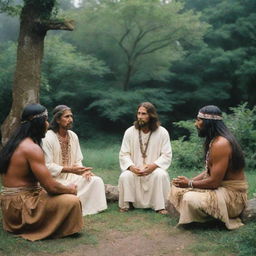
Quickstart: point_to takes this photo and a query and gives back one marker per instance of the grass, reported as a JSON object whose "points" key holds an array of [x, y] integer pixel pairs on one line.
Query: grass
{"points": [[102, 155]]}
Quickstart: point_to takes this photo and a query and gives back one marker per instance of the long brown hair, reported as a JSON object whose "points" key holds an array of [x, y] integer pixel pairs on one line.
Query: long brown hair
{"points": [[154, 122]]}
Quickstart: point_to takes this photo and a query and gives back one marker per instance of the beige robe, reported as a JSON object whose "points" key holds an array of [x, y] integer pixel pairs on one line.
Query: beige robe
{"points": [[200, 205], [149, 191], [91, 193], [33, 214]]}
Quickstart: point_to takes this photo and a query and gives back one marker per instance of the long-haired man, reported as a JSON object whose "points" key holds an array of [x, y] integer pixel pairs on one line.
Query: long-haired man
{"points": [[220, 191], [29, 210], [144, 157], [63, 158]]}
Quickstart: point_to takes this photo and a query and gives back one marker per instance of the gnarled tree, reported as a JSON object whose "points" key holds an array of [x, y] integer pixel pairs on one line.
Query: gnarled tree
{"points": [[36, 18]]}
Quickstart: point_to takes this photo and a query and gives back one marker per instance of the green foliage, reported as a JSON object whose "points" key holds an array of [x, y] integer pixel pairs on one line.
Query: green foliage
{"points": [[7, 67], [10, 7], [67, 75], [148, 36], [188, 154], [117, 106], [242, 123], [221, 72]]}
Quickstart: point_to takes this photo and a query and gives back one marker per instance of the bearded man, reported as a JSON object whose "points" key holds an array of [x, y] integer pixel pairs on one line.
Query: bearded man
{"points": [[144, 157], [220, 191], [34, 205], [63, 158]]}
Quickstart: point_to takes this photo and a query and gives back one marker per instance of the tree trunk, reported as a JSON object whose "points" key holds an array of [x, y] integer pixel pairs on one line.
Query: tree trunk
{"points": [[127, 77], [34, 23], [27, 75]]}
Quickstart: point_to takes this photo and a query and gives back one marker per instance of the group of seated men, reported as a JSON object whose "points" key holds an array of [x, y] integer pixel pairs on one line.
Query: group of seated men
{"points": [[46, 190]]}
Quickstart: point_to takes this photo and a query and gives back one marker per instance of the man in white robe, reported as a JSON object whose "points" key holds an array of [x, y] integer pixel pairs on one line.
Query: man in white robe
{"points": [[63, 158], [145, 156]]}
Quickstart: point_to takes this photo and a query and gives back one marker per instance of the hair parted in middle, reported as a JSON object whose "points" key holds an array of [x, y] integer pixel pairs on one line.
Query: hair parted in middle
{"points": [[57, 113], [154, 122]]}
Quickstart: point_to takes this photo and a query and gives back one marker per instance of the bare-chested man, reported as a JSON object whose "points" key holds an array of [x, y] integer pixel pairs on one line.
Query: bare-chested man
{"points": [[220, 191], [28, 210]]}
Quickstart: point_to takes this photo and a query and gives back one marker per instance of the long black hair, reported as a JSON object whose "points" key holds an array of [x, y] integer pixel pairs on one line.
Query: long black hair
{"points": [[32, 125], [215, 128]]}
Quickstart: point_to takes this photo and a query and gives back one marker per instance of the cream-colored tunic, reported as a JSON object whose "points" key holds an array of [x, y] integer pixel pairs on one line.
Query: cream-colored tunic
{"points": [[91, 193], [149, 191]]}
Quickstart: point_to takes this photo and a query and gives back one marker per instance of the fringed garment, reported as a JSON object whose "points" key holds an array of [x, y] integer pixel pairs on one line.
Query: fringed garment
{"points": [[198, 205]]}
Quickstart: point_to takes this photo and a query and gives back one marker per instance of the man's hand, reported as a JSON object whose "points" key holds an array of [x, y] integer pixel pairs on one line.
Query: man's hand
{"points": [[80, 170], [181, 182], [73, 189], [135, 170], [149, 168], [88, 174]]}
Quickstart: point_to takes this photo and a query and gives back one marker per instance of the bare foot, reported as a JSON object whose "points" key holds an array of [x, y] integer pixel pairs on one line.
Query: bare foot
{"points": [[163, 212], [122, 210]]}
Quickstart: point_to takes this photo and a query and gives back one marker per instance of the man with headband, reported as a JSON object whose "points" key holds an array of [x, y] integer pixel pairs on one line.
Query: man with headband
{"points": [[63, 158], [220, 191], [27, 209]]}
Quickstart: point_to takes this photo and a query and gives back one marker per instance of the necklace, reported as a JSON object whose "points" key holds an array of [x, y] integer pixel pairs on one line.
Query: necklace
{"points": [[207, 157], [144, 150]]}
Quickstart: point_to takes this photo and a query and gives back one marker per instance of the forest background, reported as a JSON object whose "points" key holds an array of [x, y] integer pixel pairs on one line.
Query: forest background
{"points": [[179, 55]]}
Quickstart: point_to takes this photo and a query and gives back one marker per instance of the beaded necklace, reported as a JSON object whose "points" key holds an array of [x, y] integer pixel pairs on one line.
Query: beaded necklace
{"points": [[144, 150]]}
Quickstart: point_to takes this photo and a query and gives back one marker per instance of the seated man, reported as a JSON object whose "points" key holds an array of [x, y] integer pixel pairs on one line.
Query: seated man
{"points": [[63, 158], [145, 156], [220, 191], [28, 210]]}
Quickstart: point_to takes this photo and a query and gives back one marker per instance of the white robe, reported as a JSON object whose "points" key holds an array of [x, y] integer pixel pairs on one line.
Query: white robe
{"points": [[149, 191], [91, 193]]}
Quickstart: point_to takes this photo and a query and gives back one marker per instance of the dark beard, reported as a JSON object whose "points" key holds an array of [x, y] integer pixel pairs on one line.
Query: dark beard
{"points": [[201, 132], [142, 124]]}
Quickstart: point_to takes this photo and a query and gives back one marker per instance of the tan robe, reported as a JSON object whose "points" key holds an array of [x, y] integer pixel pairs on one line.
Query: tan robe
{"points": [[91, 193], [33, 214], [199, 205], [149, 191]]}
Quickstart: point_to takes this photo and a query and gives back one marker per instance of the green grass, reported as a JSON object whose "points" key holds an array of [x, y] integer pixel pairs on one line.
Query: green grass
{"points": [[102, 155]]}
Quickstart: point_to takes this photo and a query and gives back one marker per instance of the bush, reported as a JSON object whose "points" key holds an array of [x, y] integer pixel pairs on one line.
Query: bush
{"points": [[188, 151]]}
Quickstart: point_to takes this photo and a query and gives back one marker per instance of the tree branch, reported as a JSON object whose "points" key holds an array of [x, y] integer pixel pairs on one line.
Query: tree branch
{"points": [[56, 25]]}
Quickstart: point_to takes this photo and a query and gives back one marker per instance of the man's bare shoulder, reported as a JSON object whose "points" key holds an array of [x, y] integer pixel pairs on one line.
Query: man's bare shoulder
{"points": [[220, 145], [28, 146]]}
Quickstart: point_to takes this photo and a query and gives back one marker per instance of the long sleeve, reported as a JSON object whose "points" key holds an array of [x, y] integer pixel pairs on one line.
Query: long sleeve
{"points": [[77, 156], [164, 161], [125, 159], [50, 153]]}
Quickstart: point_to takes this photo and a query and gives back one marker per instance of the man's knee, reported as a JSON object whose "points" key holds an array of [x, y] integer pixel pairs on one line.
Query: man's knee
{"points": [[191, 199], [160, 174], [97, 180], [68, 201], [126, 175]]}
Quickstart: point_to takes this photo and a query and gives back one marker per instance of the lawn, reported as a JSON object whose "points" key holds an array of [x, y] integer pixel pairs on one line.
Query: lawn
{"points": [[200, 240]]}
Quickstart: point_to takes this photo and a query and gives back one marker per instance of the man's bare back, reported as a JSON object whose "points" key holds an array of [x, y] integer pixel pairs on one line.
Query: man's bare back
{"points": [[219, 160], [19, 173]]}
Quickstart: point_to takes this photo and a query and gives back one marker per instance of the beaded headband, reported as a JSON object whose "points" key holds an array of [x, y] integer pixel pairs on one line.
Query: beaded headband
{"points": [[45, 113], [209, 116]]}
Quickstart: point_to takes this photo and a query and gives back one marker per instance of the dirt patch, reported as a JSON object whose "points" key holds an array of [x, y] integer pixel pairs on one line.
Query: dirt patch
{"points": [[138, 243]]}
